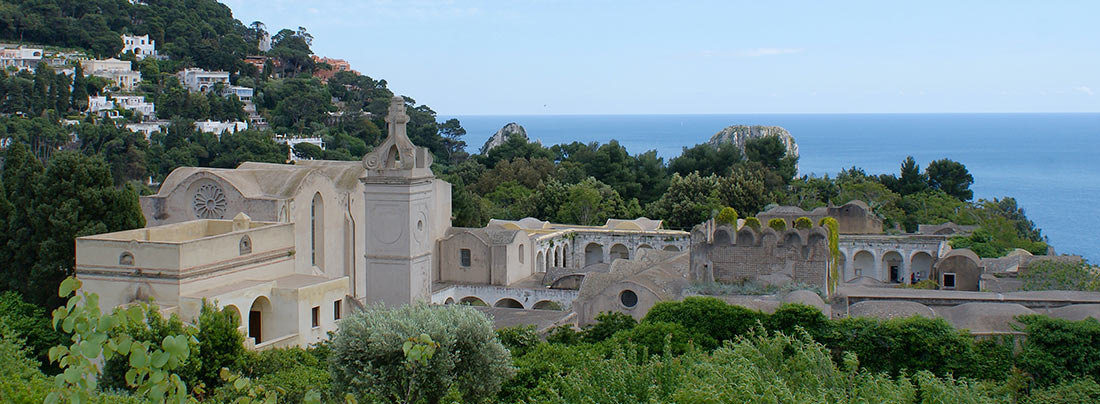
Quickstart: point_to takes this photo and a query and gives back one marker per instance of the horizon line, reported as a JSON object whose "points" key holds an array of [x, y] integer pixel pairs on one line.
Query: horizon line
{"points": [[773, 113]]}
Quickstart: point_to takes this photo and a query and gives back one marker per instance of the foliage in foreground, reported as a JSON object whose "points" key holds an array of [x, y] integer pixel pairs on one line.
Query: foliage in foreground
{"points": [[368, 359]]}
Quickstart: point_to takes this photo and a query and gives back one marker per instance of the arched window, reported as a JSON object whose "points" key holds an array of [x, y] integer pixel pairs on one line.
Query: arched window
{"points": [[521, 253], [246, 245], [126, 258], [317, 231]]}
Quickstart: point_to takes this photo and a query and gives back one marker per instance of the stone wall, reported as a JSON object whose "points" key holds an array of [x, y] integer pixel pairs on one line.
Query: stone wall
{"points": [[766, 257]]}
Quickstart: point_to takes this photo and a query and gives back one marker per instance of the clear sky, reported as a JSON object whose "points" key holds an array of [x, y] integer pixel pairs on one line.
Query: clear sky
{"points": [[680, 57]]}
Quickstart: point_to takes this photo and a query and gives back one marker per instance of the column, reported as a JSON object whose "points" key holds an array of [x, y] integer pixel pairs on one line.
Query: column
{"points": [[906, 267]]}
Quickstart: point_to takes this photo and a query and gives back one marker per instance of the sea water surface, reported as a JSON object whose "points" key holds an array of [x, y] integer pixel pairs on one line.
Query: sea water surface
{"points": [[1049, 162]]}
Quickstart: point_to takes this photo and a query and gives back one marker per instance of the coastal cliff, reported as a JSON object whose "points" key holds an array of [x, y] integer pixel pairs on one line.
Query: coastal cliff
{"points": [[739, 134], [502, 135]]}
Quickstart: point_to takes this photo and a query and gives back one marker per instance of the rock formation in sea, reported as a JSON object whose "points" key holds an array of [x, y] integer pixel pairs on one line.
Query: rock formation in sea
{"points": [[502, 135], [739, 134]]}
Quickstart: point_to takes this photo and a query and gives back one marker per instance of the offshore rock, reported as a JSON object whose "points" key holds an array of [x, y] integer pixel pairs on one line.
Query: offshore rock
{"points": [[739, 134], [502, 135]]}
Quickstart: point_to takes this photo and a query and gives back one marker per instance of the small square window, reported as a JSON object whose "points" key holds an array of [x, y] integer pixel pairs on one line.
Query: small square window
{"points": [[464, 257], [948, 281], [316, 316], [336, 310]]}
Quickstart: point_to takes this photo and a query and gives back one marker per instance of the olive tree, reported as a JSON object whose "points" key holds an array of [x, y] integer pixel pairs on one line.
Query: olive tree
{"points": [[368, 359]]}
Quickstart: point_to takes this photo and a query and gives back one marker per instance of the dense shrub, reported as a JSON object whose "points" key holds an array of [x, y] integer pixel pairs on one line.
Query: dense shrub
{"points": [[563, 334], [788, 318], [153, 328], [367, 358], [29, 323], [777, 224], [20, 379], [1057, 350], [518, 339], [607, 324], [753, 223], [655, 337], [803, 223], [707, 316], [545, 362], [1083, 390], [728, 216], [220, 343], [1052, 275], [910, 344]]}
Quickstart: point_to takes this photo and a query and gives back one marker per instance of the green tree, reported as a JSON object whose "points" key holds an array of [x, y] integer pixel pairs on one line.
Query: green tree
{"points": [[607, 324], [220, 345], [950, 177], [706, 160], [690, 200], [778, 224], [912, 180]]}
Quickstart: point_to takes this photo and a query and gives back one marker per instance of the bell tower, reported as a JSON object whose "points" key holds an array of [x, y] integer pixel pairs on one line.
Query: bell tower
{"points": [[403, 215]]}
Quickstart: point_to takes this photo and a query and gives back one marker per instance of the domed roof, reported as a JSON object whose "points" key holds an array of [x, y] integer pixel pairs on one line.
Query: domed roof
{"points": [[805, 297], [887, 309], [984, 317]]}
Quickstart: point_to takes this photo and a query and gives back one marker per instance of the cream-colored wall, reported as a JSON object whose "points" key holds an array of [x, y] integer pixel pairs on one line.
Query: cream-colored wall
{"points": [[514, 269], [319, 295], [608, 301], [481, 260], [332, 244]]}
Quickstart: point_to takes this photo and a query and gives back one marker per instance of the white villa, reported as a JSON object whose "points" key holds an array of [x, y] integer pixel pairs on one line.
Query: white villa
{"points": [[141, 46], [20, 58], [118, 71], [199, 80]]}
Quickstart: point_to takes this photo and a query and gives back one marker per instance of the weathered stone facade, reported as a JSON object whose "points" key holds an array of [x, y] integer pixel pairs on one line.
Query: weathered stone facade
{"points": [[854, 217], [721, 254]]}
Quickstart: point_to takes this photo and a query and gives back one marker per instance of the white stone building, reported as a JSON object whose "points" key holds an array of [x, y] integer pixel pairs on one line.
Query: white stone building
{"points": [[99, 103], [218, 128], [334, 234], [147, 128], [118, 71], [20, 58], [137, 104], [141, 46], [200, 80], [242, 93]]}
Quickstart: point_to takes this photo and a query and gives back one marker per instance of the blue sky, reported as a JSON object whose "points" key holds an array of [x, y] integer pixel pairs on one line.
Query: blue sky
{"points": [[678, 57]]}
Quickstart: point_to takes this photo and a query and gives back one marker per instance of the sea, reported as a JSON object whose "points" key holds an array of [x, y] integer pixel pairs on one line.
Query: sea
{"points": [[1049, 162]]}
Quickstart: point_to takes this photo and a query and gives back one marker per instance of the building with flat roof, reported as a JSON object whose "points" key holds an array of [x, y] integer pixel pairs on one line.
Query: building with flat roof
{"points": [[199, 80]]}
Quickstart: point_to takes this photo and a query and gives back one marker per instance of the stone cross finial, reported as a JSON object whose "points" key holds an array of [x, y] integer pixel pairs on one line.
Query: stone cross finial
{"points": [[397, 155]]}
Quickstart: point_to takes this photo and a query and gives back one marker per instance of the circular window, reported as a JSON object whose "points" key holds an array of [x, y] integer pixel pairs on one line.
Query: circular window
{"points": [[628, 298], [209, 202]]}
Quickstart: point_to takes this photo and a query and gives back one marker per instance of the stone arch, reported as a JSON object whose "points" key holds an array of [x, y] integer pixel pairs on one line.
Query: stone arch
{"points": [[565, 255], [644, 246], [619, 251], [317, 231], [921, 264], [722, 237], [126, 258], [547, 305], [863, 263], [746, 237], [842, 261], [671, 247], [246, 245], [539, 262], [450, 300], [549, 260], [593, 254], [894, 266], [571, 282], [260, 320], [472, 301], [508, 303], [792, 239], [393, 157], [557, 257]]}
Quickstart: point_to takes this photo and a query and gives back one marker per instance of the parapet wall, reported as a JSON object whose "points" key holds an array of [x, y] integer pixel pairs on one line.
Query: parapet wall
{"points": [[719, 254]]}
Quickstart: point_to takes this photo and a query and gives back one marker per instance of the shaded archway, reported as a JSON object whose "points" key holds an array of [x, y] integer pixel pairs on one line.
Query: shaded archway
{"points": [[450, 300], [722, 238], [539, 262], [671, 248], [472, 301], [571, 281], [619, 251], [921, 265], [842, 266], [260, 320], [893, 266], [565, 256], [547, 305], [863, 263], [557, 257], [593, 254], [644, 246], [509, 303]]}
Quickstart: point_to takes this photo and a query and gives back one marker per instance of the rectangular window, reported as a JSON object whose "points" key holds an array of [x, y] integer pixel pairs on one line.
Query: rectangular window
{"points": [[948, 281], [464, 256], [316, 316], [336, 310]]}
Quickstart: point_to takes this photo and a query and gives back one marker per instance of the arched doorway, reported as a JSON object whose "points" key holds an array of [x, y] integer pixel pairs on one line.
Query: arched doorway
{"points": [[557, 257], [671, 248], [259, 320], [893, 265], [921, 265], [593, 254], [565, 256], [540, 263], [863, 263], [619, 251], [509, 303], [450, 300], [842, 266]]}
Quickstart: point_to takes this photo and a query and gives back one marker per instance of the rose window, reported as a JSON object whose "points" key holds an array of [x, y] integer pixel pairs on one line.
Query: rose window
{"points": [[209, 202]]}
